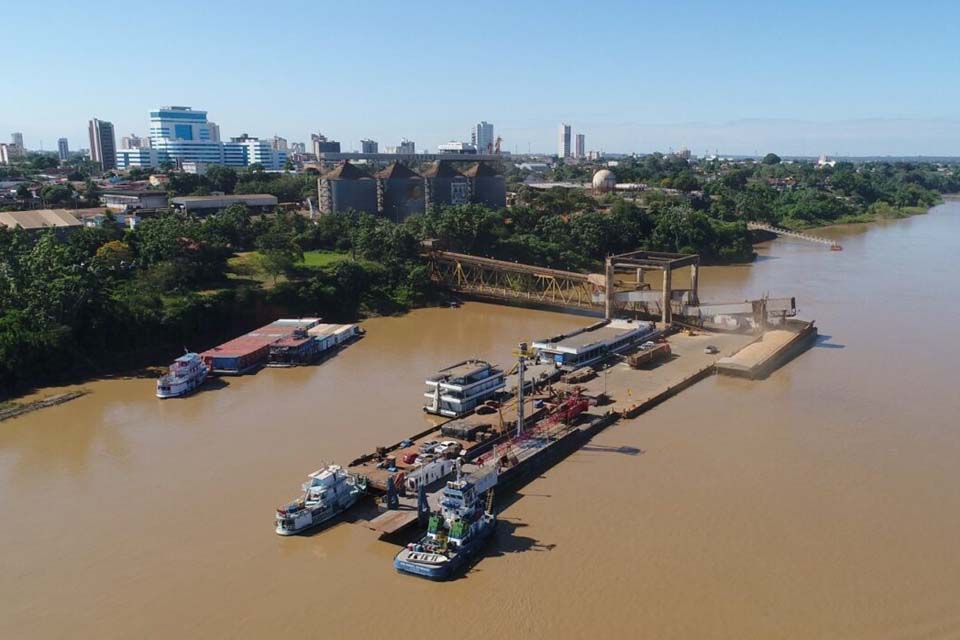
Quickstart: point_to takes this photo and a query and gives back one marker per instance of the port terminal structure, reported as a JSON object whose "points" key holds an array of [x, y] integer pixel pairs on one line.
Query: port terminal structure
{"points": [[623, 288]]}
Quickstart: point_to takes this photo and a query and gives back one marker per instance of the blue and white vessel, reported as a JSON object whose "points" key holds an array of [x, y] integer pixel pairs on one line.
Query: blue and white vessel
{"points": [[457, 532], [186, 374]]}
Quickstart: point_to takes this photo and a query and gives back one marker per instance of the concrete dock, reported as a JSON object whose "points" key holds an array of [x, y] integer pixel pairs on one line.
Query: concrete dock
{"points": [[619, 391]]}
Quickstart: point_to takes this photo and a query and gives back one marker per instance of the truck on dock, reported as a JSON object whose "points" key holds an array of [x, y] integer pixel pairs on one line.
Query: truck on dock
{"points": [[650, 355]]}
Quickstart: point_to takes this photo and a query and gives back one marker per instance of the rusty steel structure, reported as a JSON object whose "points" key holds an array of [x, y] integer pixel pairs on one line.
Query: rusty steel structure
{"points": [[621, 290], [503, 280]]}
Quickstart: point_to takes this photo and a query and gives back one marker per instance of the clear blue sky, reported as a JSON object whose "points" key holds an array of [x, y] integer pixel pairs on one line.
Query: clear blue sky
{"points": [[805, 77]]}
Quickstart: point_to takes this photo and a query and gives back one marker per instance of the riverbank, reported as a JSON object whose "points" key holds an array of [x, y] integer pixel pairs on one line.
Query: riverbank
{"points": [[878, 214], [10, 410]]}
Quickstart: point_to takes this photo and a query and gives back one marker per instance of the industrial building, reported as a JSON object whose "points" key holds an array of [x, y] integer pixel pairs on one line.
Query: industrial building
{"points": [[397, 192], [444, 185], [202, 205], [486, 186], [586, 346], [132, 200], [61, 220], [347, 188]]}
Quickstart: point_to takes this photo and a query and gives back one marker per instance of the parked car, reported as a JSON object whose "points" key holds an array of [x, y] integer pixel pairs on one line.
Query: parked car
{"points": [[429, 447]]}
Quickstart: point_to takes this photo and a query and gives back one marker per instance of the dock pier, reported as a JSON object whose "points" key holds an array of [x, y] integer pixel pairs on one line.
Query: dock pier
{"points": [[616, 392]]}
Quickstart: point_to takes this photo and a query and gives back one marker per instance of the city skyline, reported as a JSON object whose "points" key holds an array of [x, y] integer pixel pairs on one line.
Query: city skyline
{"points": [[778, 82]]}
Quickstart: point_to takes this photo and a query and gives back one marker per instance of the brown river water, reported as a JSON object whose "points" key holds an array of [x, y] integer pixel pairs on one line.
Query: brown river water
{"points": [[823, 502]]}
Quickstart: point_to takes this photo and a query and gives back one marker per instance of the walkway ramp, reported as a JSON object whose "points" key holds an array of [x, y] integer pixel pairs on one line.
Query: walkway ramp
{"points": [[780, 231]]}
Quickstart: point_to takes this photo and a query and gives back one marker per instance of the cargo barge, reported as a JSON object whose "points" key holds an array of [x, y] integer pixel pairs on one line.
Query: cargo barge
{"points": [[284, 342], [774, 349]]}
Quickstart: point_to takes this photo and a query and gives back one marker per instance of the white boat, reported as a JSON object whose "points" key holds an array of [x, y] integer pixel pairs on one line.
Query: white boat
{"points": [[186, 374], [329, 492]]}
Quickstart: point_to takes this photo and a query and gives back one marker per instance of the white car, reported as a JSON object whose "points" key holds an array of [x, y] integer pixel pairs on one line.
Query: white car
{"points": [[649, 344], [446, 444]]}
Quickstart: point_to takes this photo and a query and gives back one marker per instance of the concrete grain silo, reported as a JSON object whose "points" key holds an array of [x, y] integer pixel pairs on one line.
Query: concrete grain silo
{"points": [[444, 185], [400, 192], [486, 186], [347, 188]]}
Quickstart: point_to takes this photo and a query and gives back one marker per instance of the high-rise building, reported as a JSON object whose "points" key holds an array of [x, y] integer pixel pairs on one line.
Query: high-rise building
{"points": [[482, 137], [581, 146], [298, 147], [181, 135], [9, 152], [563, 141], [63, 149], [369, 146], [322, 145], [103, 144], [133, 141], [17, 139], [407, 146], [278, 143]]}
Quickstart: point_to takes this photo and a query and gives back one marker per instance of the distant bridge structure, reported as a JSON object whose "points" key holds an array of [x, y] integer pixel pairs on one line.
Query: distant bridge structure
{"points": [[833, 244], [621, 288], [504, 280]]}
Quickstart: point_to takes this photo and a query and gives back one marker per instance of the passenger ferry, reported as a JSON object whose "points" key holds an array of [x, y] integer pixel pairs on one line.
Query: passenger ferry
{"points": [[456, 533], [458, 389], [186, 374], [328, 493]]}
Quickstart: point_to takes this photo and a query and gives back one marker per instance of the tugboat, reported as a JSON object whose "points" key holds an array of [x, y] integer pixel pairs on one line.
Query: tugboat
{"points": [[186, 374], [329, 492], [456, 533]]}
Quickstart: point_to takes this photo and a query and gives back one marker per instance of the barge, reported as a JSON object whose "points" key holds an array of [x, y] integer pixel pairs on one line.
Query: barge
{"points": [[285, 342], [770, 352]]}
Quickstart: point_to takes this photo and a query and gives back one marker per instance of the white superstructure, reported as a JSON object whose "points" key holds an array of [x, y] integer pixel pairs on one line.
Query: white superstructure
{"points": [[328, 492]]}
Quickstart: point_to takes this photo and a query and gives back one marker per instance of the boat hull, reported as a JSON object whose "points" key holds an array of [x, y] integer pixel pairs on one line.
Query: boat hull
{"points": [[181, 389], [315, 520], [429, 566]]}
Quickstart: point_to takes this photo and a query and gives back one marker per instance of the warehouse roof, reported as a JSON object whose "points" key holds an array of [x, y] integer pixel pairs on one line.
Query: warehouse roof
{"points": [[39, 219]]}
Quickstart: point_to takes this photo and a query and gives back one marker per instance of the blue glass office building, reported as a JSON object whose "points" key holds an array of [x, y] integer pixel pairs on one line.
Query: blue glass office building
{"points": [[182, 134]]}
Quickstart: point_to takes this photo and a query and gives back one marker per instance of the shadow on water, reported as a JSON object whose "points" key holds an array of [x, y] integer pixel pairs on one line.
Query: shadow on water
{"points": [[212, 384], [603, 448], [504, 541], [823, 342]]}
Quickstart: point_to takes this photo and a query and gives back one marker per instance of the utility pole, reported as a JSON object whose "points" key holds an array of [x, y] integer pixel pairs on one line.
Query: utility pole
{"points": [[520, 365]]}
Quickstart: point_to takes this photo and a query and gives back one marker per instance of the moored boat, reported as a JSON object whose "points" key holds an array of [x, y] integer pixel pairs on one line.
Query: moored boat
{"points": [[328, 493], [456, 533], [186, 374]]}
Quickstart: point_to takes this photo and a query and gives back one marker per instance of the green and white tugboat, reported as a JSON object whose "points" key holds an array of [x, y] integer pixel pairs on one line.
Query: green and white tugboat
{"points": [[457, 532]]}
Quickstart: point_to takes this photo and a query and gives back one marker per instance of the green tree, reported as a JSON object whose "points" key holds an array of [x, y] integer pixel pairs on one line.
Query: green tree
{"points": [[114, 255], [221, 178], [771, 158], [54, 194], [91, 193]]}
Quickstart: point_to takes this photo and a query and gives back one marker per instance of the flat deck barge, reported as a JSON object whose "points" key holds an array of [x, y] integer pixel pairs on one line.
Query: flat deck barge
{"points": [[770, 352]]}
